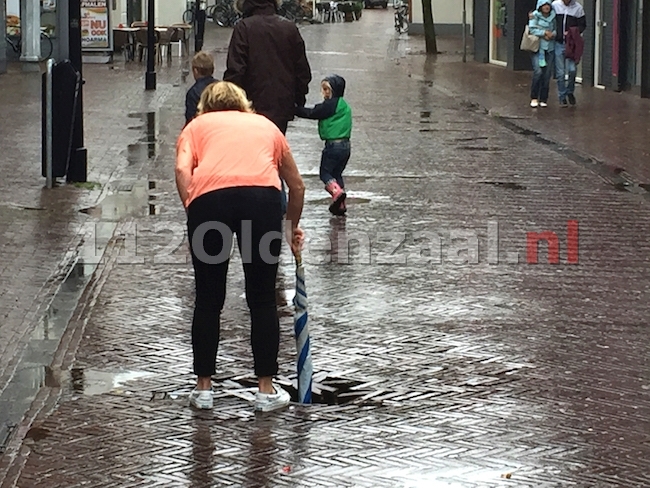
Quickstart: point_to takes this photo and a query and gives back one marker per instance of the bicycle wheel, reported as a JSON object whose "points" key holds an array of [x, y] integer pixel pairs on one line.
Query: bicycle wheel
{"points": [[222, 15], [188, 16], [46, 47], [405, 25]]}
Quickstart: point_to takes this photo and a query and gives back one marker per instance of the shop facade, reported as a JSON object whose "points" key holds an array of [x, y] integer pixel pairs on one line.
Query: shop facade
{"points": [[617, 40]]}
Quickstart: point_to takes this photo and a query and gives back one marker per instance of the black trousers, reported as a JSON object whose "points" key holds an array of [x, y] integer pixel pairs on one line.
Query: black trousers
{"points": [[254, 215]]}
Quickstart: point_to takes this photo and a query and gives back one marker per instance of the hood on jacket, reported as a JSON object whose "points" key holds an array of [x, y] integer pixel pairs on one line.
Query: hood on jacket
{"points": [[259, 7], [574, 8], [337, 83], [541, 3]]}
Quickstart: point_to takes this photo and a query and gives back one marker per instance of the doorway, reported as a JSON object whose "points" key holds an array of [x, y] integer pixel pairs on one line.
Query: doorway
{"points": [[498, 32], [599, 45], [133, 11]]}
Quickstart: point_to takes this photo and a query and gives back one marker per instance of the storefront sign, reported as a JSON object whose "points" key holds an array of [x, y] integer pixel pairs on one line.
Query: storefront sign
{"points": [[95, 28], [13, 17]]}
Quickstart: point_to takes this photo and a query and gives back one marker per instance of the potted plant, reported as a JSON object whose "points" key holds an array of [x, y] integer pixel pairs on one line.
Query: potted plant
{"points": [[348, 10], [358, 10]]}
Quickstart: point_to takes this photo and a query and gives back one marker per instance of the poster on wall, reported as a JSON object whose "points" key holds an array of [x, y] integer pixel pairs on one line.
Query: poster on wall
{"points": [[48, 9], [95, 25], [13, 17]]}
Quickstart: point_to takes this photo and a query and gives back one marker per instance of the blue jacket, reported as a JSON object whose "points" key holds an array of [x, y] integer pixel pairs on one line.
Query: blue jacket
{"points": [[194, 95], [540, 24]]}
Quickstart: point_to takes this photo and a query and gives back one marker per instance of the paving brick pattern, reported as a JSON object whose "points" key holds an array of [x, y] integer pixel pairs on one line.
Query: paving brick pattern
{"points": [[470, 372], [40, 228]]}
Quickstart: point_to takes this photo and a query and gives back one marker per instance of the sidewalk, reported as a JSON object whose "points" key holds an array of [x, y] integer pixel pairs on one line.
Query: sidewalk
{"points": [[609, 127], [460, 372], [42, 229]]}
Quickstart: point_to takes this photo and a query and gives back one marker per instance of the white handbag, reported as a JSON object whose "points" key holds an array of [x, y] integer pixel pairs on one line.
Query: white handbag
{"points": [[529, 42]]}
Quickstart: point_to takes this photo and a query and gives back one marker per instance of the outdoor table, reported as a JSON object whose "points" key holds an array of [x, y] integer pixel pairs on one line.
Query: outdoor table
{"points": [[131, 34]]}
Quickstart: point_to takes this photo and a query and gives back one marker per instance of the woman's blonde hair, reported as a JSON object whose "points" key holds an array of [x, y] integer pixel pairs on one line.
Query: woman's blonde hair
{"points": [[223, 95]]}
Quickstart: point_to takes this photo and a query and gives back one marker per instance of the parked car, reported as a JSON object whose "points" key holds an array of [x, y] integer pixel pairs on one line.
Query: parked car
{"points": [[375, 3]]}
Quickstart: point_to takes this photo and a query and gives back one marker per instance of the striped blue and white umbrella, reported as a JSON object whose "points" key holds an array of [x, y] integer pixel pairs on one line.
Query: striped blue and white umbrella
{"points": [[301, 329]]}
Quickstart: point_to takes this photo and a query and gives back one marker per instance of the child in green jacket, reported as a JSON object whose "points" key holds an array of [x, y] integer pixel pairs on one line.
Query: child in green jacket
{"points": [[334, 127]]}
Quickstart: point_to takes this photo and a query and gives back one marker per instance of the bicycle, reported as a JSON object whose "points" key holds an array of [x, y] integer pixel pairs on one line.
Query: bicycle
{"points": [[15, 41], [224, 14], [293, 10], [401, 17], [188, 15]]}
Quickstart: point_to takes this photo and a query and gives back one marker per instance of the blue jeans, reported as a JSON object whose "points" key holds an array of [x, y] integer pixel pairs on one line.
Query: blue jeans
{"points": [[562, 67], [541, 76], [333, 161]]}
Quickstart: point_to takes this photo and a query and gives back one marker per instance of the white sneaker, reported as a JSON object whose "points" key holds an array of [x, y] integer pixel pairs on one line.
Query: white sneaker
{"points": [[202, 399], [543, 104], [266, 402], [534, 103]]}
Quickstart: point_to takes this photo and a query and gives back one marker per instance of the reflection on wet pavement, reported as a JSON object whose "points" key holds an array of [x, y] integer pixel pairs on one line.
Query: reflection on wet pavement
{"points": [[473, 372]]}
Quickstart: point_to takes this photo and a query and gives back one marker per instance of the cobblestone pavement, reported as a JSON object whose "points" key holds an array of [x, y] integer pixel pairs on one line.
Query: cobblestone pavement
{"points": [[460, 371], [40, 229]]}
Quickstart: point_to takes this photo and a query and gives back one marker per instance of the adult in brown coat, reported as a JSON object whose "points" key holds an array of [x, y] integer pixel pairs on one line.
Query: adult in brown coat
{"points": [[266, 57]]}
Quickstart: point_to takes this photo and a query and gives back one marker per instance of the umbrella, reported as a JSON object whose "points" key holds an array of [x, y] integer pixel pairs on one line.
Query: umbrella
{"points": [[301, 329]]}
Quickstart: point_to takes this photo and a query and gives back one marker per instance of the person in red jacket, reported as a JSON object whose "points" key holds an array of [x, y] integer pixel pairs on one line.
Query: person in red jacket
{"points": [[569, 13]]}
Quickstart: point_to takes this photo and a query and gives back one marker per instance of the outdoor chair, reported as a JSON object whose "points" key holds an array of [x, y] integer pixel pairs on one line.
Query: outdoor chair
{"points": [[165, 44], [141, 42], [122, 41], [180, 37], [328, 11]]}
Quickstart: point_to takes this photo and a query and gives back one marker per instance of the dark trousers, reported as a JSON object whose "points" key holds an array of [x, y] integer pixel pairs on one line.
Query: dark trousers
{"points": [[334, 159], [254, 215], [541, 76]]}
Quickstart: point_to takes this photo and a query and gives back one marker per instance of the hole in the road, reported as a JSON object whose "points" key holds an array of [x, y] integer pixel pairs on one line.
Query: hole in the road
{"points": [[425, 114], [505, 184], [152, 209], [325, 391], [152, 185]]}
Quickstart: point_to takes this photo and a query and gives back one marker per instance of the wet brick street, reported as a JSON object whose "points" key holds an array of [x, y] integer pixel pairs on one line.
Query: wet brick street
{"points": [[451, 365]]}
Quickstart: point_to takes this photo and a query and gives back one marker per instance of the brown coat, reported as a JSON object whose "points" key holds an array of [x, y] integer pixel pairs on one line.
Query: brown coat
{"points": [[266, 57]]}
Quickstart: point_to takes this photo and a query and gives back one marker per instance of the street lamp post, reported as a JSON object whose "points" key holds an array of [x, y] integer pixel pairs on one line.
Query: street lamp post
{"points": [[150, 77], [199, 25], [464, 31], [78, 167]]}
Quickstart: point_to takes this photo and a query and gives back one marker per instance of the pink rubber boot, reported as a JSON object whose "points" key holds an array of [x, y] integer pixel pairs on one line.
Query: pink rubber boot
{"points": [[338, 196]]}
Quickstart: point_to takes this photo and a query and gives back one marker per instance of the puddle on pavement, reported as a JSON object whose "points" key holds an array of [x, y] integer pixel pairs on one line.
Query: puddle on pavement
{"points": [[31, 374], [124, 199], [355, 197], [92, 382], [147, 146]]}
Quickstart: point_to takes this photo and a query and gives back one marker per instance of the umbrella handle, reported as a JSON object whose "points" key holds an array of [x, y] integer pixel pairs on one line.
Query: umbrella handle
{"points": [[298, 256]]}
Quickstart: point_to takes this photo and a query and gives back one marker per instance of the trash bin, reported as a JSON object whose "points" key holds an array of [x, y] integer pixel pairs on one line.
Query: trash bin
{"points": [[65, 82]]}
